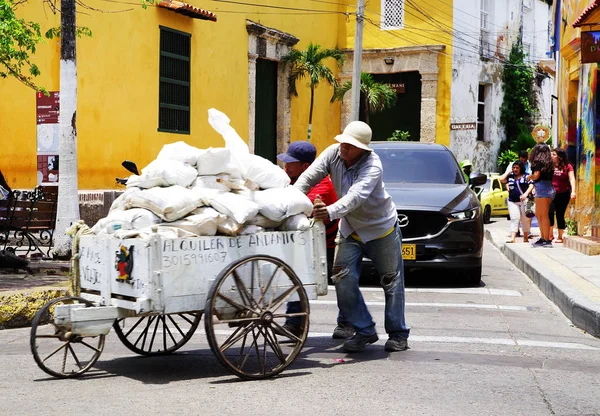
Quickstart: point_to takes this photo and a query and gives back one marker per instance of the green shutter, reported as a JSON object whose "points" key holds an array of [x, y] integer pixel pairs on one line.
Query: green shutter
{"points": [[174, 81]]}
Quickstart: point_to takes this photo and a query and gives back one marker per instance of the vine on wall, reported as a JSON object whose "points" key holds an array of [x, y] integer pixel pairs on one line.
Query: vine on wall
{"points": [[519, 104]]}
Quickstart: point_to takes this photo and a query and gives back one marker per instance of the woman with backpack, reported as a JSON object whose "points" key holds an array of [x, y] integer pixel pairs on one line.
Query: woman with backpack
{"points": [[542, 169]]}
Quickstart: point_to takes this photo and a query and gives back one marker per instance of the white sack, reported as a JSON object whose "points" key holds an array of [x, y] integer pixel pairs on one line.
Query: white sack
{"points": [[133, 219], [263, 222], [279, 203], [234, 206], [229, 227], [203, 221], [253, 167], [213, 161], [170, 203], [218, 182], [220, 122], [264, 173], [180, 151], [164, 172], [119, 202], [298, 222]]}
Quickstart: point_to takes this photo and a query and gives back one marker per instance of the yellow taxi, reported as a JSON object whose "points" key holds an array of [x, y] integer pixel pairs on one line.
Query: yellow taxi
{"points": [[493, 198]]}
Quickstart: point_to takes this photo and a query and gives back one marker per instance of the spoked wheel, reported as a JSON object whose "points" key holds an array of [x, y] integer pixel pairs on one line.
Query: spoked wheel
{"points": [[157, 334], [245, 314], [58, 351]]}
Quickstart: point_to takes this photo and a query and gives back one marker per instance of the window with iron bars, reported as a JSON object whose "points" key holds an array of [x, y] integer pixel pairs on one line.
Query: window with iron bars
{"points": [[482, 94], [392, 14], [174, 81]]}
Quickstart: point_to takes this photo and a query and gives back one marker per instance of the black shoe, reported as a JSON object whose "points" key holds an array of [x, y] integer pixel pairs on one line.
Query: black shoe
{"points": [[539, 243], [396, 343], [358, 342], [547, 244], [518, 234], [295, 330], [343, 331]]}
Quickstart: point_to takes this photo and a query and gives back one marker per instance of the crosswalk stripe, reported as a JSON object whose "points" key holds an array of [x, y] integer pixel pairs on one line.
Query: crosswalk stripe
{"points": [[436, 305], [462, 340], [460, 291], [475, 340]]}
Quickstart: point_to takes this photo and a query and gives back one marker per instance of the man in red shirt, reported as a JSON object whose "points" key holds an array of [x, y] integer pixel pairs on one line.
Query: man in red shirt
{"points": [[297, 159]]}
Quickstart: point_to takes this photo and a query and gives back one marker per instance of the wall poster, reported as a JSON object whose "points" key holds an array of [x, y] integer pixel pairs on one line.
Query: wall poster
{"points": [[48, 133]]}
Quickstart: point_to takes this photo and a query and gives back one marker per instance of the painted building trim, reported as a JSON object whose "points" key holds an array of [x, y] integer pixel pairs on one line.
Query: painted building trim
{"points": [[269, 43], [423, 59]]}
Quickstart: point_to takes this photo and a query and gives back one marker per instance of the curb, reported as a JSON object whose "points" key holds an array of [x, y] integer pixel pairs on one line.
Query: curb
{"points": [[581, 311]]}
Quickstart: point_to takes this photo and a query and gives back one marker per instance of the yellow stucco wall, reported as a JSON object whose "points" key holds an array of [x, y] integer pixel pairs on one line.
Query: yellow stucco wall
{"points": [[417, 31], [117, 110]]}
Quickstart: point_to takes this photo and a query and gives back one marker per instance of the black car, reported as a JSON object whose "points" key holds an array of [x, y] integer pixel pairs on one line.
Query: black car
{"points": [[439, 215]]}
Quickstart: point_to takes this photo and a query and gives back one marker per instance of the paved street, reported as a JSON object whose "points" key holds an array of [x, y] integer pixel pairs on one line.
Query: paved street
{"points": [[500, 349]]}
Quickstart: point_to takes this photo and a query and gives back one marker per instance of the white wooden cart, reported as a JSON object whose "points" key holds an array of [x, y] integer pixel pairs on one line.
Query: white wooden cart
{"points": [[153, 293]]}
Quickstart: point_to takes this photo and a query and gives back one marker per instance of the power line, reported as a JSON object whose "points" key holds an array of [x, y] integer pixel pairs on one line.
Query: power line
{"points": [[277, 7]]}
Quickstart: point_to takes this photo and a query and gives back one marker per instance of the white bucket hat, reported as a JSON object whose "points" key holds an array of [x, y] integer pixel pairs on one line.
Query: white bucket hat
{"points": [[357, 134]]}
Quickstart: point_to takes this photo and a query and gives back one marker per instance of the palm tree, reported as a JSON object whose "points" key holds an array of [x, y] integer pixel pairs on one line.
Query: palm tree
{"points": [[309, 63], [375, 96]]}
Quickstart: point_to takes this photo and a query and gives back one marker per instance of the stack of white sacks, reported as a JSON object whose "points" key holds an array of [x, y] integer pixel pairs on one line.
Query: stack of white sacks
{"points": [[188, 192]]}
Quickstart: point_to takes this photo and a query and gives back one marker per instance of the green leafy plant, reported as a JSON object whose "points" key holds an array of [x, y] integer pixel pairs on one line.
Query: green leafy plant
{"points": [[506, 158], [519, 104], [399, 136], [375, 96], [18, 41], [571, 227]]}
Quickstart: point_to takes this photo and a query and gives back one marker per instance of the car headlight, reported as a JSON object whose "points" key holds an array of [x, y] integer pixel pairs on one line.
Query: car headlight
{"points": [[470, 214]]}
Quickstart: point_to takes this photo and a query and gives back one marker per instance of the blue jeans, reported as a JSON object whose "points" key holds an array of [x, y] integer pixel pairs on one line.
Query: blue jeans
{"points": [[386, 255]]}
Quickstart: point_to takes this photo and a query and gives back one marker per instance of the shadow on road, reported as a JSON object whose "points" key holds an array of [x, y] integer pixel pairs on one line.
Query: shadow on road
{"points": [[422, 279]]}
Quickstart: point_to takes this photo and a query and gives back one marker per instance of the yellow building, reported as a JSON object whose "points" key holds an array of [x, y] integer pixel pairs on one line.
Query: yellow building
{"points": [[578, 116], [148, 76]]}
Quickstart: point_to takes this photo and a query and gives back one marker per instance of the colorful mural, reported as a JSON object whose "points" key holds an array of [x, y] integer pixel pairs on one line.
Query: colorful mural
{"points": [[578, 118], [586, 147]]}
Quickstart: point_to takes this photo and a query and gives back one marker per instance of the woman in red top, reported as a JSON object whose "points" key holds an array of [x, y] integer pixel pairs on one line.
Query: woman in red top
{"points": [[563, 181]]}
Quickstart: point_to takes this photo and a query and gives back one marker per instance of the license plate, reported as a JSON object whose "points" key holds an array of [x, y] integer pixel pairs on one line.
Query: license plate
{"points": [[409, 251]]}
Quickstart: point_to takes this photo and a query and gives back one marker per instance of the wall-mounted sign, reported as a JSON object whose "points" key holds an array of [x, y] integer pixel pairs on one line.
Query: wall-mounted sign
{"points": [[590, 47], [399, 87], [46, 114], [463, 126]]}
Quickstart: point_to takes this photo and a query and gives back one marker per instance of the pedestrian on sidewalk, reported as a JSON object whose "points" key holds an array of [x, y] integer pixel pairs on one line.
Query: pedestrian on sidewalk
{"points": [[524, 158], [542, 169], [519, 189], [563, 181], [297, 159], [368, 227]]}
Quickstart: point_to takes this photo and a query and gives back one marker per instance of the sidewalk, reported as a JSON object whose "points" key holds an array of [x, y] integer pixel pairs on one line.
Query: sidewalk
{"points": [[568, 278]]}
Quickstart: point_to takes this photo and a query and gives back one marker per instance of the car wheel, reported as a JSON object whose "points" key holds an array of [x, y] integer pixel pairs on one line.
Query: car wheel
{"points": [[472, 277], [487, 214]]}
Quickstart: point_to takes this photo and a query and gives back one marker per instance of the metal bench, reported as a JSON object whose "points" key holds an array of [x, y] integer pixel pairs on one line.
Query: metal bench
{"points": [[27, 221]]}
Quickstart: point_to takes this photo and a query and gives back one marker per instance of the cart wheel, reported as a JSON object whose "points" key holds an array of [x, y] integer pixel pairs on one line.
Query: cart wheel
{"points": [[58, 351], [245, 315], [157, 334]]}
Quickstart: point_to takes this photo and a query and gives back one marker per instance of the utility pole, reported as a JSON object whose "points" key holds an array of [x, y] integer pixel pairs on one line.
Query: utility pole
{"points": [[356, 69]]}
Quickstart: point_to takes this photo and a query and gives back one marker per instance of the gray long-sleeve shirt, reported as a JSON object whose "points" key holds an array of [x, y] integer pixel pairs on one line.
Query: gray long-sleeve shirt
{"points": [[363, 205]]}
